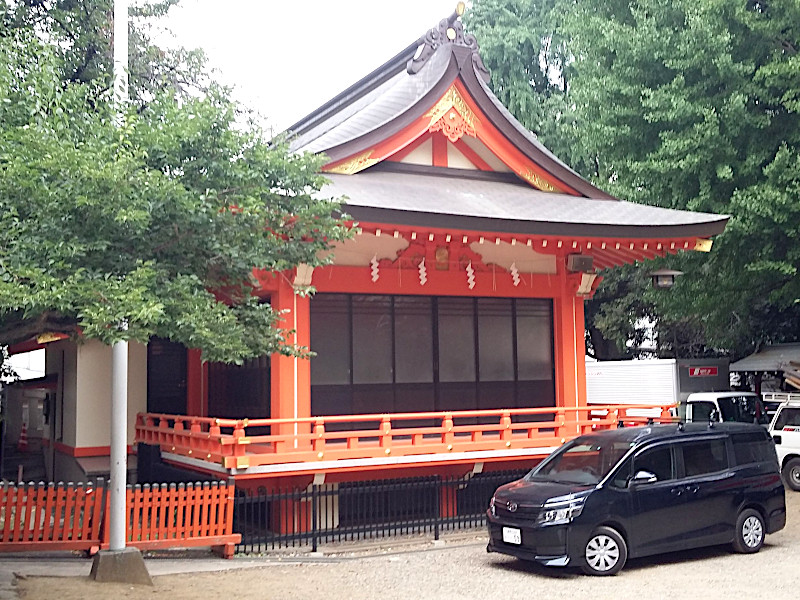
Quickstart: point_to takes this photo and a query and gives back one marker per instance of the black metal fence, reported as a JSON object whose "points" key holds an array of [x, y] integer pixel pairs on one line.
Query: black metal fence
{"points": [[356, 511]]}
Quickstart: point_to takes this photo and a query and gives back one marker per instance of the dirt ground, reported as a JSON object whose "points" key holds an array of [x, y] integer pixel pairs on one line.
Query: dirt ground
{"points": [[461, 569]]}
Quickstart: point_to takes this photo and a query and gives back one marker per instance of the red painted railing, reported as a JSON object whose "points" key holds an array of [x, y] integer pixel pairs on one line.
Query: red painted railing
{"points": [[75, 517], [50, 517], [231, 443], [191, 514]]}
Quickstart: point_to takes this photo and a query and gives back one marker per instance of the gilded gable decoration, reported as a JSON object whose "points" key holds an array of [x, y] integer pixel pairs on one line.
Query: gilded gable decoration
{"points": [[452, 116], [538, 181], [355, 164]]}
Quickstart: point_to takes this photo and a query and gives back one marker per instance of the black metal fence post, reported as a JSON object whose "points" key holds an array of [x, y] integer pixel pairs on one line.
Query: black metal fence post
{"points": [[314, 500], [438, 508]]}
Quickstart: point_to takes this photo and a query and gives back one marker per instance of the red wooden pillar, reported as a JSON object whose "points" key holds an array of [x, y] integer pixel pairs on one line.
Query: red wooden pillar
{"points": [[448, 506], [570, 348], [290, 384], [196, 384]]}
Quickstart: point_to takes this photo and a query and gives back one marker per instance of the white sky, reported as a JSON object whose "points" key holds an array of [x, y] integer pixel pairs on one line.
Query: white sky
{"points": [[287, 57]]}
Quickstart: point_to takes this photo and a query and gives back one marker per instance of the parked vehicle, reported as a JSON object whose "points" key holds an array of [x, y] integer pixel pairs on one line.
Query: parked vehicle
{"points": [[737, 407], [772, 400], [608, 496], [785, 431], [658, 381]]}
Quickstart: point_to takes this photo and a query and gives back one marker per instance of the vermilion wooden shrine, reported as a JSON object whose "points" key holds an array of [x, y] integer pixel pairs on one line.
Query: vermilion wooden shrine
{"points": [[449, 331]]}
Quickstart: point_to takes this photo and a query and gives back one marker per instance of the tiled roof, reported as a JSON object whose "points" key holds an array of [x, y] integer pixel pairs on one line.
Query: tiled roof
{"points": [[434, 196]]}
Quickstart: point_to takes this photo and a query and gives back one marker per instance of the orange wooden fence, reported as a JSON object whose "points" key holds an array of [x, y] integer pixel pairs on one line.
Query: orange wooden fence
{"points": [[168, 516], [75, 517], [50, 517]]}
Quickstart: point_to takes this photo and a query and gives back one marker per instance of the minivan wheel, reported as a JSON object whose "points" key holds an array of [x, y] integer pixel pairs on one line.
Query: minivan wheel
{"points": [[750, 532], [791, 474], [605, 553]]}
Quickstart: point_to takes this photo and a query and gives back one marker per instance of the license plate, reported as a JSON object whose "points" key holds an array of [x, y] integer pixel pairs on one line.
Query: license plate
{"points": [[512, 535]]}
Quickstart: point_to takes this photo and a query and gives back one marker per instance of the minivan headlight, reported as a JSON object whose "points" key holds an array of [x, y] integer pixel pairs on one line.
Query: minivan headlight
{"points": [[491, 506], [558, 511]]}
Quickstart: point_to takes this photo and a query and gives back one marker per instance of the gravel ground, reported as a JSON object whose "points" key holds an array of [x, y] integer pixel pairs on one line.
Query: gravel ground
{"points": [[461, 569]]}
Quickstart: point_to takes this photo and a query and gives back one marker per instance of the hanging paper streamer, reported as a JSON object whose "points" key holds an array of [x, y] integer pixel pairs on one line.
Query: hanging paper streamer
{"points": [[374, 268], [423, 273], [470, 275], [514, 274]]}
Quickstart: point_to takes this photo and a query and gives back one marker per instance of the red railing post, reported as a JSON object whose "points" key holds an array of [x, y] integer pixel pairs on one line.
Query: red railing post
{"points": [[505, 428], [318, 442], [386, 434], [447, 431], [240, 441], [562, 431], [239, 437], [163, 426]]}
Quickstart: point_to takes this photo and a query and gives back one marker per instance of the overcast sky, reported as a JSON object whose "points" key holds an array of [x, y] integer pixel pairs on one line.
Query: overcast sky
{"points": [[287, 57]]}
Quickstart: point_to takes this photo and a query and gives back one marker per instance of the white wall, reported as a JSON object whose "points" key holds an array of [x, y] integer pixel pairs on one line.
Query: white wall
{"points": [[85, 381], [93, 415]]}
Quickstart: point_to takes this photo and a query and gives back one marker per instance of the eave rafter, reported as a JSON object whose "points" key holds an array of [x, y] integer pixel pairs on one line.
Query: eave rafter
{"points": [[606, 252]]}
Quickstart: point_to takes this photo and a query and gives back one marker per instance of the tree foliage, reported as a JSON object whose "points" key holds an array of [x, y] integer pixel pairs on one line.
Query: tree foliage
{"points": [[688, 105], [157, 223]]}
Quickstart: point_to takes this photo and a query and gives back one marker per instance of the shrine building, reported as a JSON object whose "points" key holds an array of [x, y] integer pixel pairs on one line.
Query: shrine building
{"points": [[448, 331]]}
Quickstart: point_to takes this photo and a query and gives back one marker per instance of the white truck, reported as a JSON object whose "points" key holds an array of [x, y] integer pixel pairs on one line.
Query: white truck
{"points": [[785, 431], [656, 381], [699, 388]]}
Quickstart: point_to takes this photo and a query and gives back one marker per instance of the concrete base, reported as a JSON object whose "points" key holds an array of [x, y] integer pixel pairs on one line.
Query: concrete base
{"points": [[120, 566]]}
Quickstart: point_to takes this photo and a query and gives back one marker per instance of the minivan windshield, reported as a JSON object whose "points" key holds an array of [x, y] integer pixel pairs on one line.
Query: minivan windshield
{"points": [[584, 460], [743, 409], [733, 409]]}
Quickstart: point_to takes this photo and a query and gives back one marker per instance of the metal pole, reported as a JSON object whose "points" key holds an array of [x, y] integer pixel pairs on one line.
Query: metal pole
{"points": [[119, 445], [121, 54], [119, 352]]}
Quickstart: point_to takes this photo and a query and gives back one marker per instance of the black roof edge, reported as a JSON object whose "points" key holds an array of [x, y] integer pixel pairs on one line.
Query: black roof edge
{"points": [[366, 84], [549, 228], [360, 88]]}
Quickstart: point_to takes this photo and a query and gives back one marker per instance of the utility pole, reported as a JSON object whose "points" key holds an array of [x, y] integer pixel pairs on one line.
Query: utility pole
{"points": [[118, 563], [119, 352]]}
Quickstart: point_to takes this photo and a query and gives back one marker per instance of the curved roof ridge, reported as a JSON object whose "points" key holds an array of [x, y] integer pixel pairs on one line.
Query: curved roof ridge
{"points": [[415, 53]]}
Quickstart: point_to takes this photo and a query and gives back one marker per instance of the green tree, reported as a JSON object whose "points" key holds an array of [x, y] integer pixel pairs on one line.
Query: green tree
{"points": [[691, 105], [157, 223], [80, 35]]}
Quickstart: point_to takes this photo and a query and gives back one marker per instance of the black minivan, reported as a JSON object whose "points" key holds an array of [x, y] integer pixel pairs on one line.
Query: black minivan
{"points": [[612, 495]]}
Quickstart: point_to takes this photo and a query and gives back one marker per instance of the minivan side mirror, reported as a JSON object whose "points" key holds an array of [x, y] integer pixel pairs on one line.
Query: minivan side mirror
{"points": [[643, 477]]}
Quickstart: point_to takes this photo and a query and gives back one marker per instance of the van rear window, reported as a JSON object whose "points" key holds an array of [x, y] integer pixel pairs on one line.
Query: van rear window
{"points": [[753, 447], [788, 417], [704, 457]]}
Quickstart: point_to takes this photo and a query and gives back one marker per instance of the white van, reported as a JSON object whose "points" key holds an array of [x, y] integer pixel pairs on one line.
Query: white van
{"points": [[738, 407], [785, 431]]}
